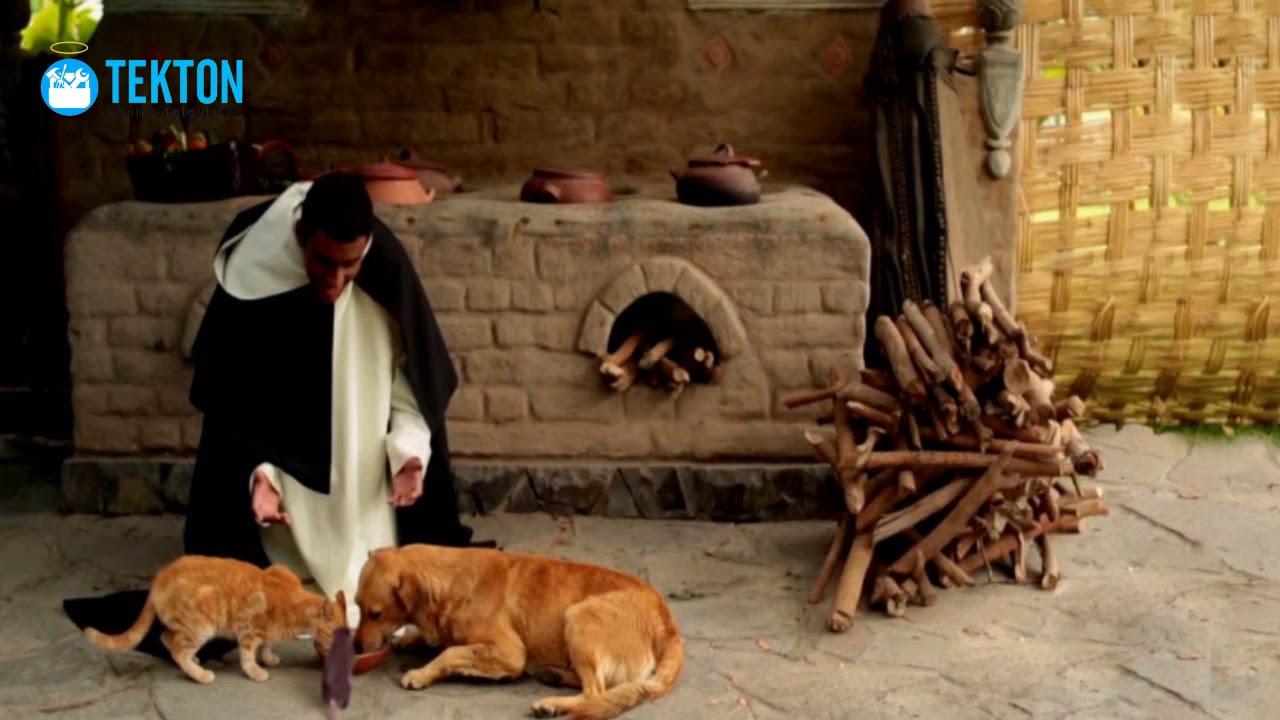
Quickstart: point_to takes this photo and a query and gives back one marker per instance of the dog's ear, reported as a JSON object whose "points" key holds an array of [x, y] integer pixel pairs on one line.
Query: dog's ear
{"points": [[407, 592]]}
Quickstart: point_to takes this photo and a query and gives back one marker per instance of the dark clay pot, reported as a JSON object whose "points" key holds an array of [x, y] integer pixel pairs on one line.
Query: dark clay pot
{"points": [[720, 179], [565, 187]]}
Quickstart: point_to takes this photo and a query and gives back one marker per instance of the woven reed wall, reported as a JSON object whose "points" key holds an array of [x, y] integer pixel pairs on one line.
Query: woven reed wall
{"points": [[1148, 254]]}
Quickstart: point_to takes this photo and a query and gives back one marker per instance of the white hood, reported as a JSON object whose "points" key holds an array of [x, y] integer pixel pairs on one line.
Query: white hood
{"points": [[268, 259]]}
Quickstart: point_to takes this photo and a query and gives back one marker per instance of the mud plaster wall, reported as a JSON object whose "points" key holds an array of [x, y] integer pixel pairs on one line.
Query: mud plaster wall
{"points": [[626, 86]]}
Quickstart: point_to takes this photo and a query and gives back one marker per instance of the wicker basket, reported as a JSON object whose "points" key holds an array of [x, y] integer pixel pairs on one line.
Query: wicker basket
{"points": [[1148, 257]]}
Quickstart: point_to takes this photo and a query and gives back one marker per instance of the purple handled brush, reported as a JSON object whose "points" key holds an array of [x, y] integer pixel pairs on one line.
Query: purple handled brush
{"points": [[339, 664]]}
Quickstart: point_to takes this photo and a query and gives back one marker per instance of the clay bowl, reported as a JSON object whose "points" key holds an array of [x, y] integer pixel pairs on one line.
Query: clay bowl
{"points": [[565, 187], [364, 661]]}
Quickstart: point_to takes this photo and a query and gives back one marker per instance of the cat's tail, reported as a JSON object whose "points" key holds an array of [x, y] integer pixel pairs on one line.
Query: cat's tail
{"points": [[129, 639]]}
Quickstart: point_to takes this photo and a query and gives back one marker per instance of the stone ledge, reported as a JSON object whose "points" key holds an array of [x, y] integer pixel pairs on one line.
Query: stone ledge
{"points": [[716, 492]]}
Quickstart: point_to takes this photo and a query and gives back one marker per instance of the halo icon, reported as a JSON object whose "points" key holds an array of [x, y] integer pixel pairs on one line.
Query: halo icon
{"points": [[82, 47]]}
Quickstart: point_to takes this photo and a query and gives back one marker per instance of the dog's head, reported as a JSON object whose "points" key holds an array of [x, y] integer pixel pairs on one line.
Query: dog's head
{"points": [[328, 617], [391, 592]]}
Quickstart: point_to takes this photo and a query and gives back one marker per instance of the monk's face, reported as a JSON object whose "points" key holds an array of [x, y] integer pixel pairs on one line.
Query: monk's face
{"points": [[332, 264]]}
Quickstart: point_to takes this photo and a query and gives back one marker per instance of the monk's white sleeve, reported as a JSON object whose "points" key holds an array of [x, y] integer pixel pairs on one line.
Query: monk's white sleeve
{"points": [[408, 437], [271, 471]]}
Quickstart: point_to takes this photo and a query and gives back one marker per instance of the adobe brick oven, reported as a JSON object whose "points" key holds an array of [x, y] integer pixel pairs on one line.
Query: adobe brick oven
{"points": [[529, 298]]}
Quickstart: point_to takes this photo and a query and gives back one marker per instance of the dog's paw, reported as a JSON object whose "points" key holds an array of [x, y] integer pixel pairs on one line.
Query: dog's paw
{"points": [[409, 641], [414, 680], [549, 707]]}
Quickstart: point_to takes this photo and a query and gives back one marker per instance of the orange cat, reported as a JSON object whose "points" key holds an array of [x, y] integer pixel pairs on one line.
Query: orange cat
{"points": [[199, 598]]}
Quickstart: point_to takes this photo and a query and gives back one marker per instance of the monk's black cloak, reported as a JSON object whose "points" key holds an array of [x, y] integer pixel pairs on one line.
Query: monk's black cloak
{"points": [[263, 381]]}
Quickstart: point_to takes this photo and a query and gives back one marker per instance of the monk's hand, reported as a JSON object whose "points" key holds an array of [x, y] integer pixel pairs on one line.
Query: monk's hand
{"points": [[266, 502], [406, 487]]}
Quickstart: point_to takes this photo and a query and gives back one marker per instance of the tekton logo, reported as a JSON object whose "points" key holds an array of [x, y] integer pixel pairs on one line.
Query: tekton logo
{"points": [[69, 86], [213, 81]]}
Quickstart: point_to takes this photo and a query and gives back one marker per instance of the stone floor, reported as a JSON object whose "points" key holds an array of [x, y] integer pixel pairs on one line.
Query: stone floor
{"points": [[1169, 608]]}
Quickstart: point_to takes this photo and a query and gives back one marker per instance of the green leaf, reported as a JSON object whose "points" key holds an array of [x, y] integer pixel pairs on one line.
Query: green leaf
{"points": [[42, 31], [84, 25]]}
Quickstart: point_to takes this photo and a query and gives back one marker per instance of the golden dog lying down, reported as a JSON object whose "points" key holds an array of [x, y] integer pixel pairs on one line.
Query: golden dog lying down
{"points": [[501, 615]]}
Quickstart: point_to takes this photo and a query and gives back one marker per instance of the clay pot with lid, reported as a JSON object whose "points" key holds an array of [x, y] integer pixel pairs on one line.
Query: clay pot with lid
{"points": [[432, 175], [565, 187], [392, 184], [720, 179]]}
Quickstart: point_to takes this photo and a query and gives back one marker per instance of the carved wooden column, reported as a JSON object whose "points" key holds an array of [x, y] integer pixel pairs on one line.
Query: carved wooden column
{"points": [[999, 68]]}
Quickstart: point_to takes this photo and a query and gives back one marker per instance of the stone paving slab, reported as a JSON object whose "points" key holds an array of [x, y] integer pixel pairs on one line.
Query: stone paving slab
{"points": [[1169, 608]]}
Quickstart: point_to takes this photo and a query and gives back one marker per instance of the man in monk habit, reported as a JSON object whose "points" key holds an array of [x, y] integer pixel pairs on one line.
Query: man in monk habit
{"points": [[323, 380]]}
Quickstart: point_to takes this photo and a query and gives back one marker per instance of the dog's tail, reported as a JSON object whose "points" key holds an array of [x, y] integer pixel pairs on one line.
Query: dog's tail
{"points": [[620, 698], [129, 639]]}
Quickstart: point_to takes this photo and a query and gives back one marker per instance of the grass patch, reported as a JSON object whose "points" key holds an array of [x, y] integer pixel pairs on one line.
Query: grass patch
{"points": [[1221, 433]]}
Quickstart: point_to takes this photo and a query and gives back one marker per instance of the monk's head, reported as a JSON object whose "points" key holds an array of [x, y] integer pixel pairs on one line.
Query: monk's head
{"points": [[334, 231]]}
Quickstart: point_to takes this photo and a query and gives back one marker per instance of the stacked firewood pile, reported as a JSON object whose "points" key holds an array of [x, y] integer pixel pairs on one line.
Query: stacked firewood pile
{"points": [[668, 348], [955, 460]]}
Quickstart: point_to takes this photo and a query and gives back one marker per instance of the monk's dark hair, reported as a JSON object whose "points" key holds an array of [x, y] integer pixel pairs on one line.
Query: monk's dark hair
{"points": [[337, 204]]}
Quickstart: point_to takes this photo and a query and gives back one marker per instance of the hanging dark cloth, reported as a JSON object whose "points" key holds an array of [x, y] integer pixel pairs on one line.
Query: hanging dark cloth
{"points": [[910, 62]]}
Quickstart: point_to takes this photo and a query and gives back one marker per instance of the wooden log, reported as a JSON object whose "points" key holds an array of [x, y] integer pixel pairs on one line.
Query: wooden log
{"points": [[619, 378], [669, 373], [945, 408], [1019, 379], [971, 281], [1009, 543], [1039, 434], [938, 347], [904, 370], [924, 508], [1083, 457], [929, 370], [874, 416], [951, 573], [834, 554], [928, 595], [1069, 409], [625, 351], [846, 449], [870, 396], [879, 380], [1015, 331], [655, 353], [962, 325], [941, 328], [1031, 451], [906, 478], [893, 595], [854, 573], [957, 520], [956, 460], [1050, 573], [800, 398]]}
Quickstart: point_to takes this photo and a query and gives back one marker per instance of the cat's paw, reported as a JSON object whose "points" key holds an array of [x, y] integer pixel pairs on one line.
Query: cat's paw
{"points": [[257, 674], [270, 659], [202, 676], [414, 680]]}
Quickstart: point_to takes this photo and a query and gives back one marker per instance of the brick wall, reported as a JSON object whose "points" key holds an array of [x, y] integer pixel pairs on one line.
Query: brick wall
{"points": [[523, 293], [626, 86]]}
